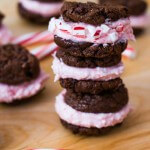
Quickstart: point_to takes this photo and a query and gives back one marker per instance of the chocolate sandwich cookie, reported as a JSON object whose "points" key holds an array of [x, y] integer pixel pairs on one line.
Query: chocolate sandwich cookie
{"points": [[91, 38], [83, 62], [88, 131], [20, 74], [106, 102], [92, 13], [90, 86], [85, 49], [17, 65], [135, 7], [32, 17], [44, 11]]}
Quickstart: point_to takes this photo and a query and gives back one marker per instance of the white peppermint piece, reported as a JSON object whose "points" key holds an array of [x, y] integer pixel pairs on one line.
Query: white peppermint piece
{"points": [[63, 26], [113, 36], [91, 30], [78, 32], [104, 28], [52, 25]]}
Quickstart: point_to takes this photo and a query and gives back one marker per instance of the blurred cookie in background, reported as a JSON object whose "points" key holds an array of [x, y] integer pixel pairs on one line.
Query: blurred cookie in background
{"points": [[20, 74], [137, 11], [39, 11]]}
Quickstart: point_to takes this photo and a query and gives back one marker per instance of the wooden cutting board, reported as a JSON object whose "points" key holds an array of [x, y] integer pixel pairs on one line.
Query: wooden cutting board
{"points": [[35, 124]]}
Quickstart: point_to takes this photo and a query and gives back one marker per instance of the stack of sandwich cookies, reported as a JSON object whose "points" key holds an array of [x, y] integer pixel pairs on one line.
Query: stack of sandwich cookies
{"points": [[88, 65], [20, 74], [138, 13], [39, 11], [5, 34]]}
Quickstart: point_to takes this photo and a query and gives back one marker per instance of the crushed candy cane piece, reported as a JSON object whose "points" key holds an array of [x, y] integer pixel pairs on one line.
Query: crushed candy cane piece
{"points": [[113, 36], [130, 52], [80, 36], [119, 28], [79, 28], [97, 34], [104, 28], [66, 31], [64, 27], [79, 31]]}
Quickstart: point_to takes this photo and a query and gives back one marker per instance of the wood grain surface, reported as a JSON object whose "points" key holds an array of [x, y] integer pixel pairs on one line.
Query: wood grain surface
{"points": [[34, 124]]}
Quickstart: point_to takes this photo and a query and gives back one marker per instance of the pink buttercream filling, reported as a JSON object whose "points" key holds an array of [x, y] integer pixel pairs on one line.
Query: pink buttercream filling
{"points": [[42, 8], [62, 70], [5, 35], [25, 90], [109, 32], [88, 120], [140, 21]]}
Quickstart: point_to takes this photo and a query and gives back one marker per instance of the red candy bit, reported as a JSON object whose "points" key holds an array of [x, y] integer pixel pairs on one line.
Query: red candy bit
{"points": [[80, 36], [129, 52], [130, 49], [96, 39], [63, 30], [79, 32], [120, 28], [79, 28], [66, 31], [97, 34]]}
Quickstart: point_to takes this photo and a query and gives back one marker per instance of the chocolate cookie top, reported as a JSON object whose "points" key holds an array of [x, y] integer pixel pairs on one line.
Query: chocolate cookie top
{"points": [[106, 102], [85, 49], [1, 17], [17, 65], [33, 17], [83, 62], [92, 13], [135, 7]]}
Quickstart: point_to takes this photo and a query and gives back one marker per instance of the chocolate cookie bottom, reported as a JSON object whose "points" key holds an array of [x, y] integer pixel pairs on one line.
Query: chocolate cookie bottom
{"points": [[89, 86], [88, 131], [33, 17]]}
